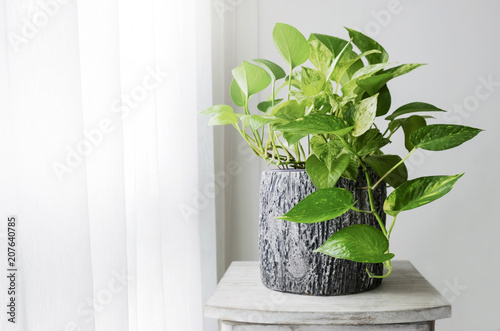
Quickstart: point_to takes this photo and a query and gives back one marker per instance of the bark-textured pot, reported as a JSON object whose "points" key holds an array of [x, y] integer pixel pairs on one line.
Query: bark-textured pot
{"points": [[287, 261]]}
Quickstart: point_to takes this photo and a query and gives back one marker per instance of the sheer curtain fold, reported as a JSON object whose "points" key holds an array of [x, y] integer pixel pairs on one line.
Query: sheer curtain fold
{"points": [[99, 121]]}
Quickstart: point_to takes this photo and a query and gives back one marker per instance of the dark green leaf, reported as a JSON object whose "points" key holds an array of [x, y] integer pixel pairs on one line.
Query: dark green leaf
{"points": [[352, 170], [251, 78], [361, 115], [320, 206], [365, 43], [333, 44], [237, 94], [326, 176], [276, 71], [438, 137], [265, 105], [414, 107], [313, 124], [359, 243], [374, 83], [383, 163], [409, 125], [418, 192], [369, 142], [383, 101], [291, 44]]}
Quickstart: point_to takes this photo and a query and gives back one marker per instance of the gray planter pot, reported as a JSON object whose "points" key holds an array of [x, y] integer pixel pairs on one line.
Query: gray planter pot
{"points": [[287, 261]]}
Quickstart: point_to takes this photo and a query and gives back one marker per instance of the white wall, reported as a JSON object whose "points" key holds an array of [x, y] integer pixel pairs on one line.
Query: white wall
{"points": [[454, 241]]}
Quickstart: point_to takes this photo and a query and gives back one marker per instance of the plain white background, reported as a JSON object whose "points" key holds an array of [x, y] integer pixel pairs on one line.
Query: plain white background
{"points": [[454, 241]]}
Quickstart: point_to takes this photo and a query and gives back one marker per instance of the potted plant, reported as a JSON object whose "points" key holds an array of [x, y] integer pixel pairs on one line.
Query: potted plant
{"points": [[322, 229]]}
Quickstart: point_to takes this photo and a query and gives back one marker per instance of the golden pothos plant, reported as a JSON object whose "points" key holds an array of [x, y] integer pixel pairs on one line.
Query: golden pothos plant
{"points": [[321, 117]]}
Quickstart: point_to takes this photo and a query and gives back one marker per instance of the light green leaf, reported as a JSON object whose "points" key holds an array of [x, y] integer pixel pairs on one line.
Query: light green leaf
{"points": [[361, 115], [413, 107], [359, 243], [374, 83], [365, 43], [290, 108], [418, 192], [312, 81], [326, 176], [291, 138], [223, 118], [276, 71], [251, 78], [319, 55], [291, 44], [265, 105], [438, 137], [383, 163], [326, 151], [237, 94], [314, 124], [216, 109], [351, 63], [256, 121], [319, 206]]}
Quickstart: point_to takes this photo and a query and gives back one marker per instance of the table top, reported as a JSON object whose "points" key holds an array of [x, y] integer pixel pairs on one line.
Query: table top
{"points": [[404, 297]]}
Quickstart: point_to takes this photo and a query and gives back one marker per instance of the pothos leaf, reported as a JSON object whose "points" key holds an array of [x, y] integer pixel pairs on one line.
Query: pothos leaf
{"points": [[320, 206], [359, 243]]}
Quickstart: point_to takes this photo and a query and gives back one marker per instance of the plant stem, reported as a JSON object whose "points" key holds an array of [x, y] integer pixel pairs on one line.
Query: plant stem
{"points": [[388, 265], [393, 168], [372, 201], [392, 226]]}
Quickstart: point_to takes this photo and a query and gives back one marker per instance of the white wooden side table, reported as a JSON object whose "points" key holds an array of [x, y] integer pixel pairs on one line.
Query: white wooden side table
{"points": [[404, 301]]}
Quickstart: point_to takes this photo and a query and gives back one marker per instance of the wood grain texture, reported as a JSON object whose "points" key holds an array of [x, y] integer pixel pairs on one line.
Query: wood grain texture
{"points": [[404, 297], [288, 263], [232, 326]]}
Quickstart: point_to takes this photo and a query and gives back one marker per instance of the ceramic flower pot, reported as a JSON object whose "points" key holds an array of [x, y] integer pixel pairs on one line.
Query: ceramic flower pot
{"points": [[287, 261]]}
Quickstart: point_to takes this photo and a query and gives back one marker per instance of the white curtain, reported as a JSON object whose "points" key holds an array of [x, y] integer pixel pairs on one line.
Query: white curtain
{"points": [[106, 165]]}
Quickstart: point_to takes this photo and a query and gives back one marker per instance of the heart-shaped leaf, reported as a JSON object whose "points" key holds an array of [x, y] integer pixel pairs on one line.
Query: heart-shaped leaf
{"points": [[319, 206], [418, 192], [291, 44], [413, 107], [438, 137], [359, 243], [251, 78], [324, 175]]}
